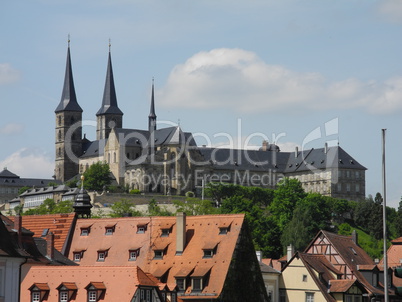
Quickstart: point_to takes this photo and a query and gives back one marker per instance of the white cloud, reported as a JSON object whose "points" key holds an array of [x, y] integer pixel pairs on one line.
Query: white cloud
{"points": [[391, 9], [12, 128], [30, 163], [8, 74], [239, 80]]}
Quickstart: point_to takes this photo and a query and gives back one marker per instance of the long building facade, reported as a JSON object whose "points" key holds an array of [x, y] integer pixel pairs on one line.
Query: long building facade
{"points": [[168, 160]]}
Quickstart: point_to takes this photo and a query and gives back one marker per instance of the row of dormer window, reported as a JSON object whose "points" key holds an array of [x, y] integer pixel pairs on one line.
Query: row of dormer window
{"points": [[133, 254], [141, 229]]}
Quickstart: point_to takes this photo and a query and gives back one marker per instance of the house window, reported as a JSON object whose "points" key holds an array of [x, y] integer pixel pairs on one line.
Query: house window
{"points": [[309, 297], [304, 278], [141, 229], [348, 188], [77, 256], [357, 188], [35, 296], [92, 297], [84, 231], [165, 233], [63, 296], [173, 297], [133, 254], [158, 254], [208, 253], [223, 231], [197, 283], [109, 230], [181, 283], [102, 255]]}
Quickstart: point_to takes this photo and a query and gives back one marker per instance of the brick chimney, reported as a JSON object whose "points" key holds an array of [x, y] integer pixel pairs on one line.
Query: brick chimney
{"points": [[18, 224], [180, 233], [355, 237], [290, 252], [50, 246]]}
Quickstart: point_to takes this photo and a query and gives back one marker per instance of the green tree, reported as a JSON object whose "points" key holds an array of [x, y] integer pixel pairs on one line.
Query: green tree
{"points": [[97, 176], [195, 206], [398, 221], [72, 183], [155, 210], [124, 208], [310, 215], [288, 193]]}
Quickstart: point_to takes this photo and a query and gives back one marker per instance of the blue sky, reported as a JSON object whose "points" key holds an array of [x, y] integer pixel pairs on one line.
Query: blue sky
{"points": [[250, 69]]}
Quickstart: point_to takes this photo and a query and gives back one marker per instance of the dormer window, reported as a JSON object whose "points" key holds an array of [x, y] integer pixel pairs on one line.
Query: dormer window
{"points": [[133, 254], [208, 253], [210, 250], [199, 278], [66, 291], [181, 283], [102, 255], [141, 228], [223, 230], [109, 230], [95, 291], [85, 231], [39, 292], [158, 254], [165, 232]]}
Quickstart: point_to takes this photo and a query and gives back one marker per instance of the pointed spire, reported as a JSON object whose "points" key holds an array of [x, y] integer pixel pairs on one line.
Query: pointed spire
{"points": [[109, 102], [68, 100], [152, 115]]}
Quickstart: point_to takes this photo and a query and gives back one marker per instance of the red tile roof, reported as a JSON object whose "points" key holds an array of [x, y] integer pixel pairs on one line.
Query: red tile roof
{"points": [[119, 283], [201, 232], [59, 224]]}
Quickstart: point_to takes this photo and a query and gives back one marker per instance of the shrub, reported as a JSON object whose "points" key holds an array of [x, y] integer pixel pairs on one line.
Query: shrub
{"points": [[135, 191]]}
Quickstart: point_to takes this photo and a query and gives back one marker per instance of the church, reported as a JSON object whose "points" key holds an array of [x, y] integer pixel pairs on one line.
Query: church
{"points": [[168, 160]]}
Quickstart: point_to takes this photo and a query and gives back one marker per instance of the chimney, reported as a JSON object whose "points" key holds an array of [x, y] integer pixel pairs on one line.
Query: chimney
{"points": [[290, 252], [18, 224], [355, 237], [50, 245], [180, 233], [296, 151], [264, 145], [259, 256], [326, 148]]}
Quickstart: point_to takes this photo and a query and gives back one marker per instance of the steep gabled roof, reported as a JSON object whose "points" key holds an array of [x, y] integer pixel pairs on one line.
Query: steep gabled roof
{"points": [[61, 225], [68, 100], [121, 282], [109, 101], [7, 174], [201, 232]]}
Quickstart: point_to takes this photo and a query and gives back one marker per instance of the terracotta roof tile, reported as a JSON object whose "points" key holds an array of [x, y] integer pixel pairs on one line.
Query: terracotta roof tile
{"points": [[59, 224], [340, 286], [119, 282], [201, 232]]}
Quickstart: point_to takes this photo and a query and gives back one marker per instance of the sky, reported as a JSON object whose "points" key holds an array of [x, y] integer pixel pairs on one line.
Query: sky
{"points": [[294, 72]]}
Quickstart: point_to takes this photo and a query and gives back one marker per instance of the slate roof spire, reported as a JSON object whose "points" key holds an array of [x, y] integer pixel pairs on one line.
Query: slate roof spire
{"points": [[109, 102], [68, 100], [152, 115]]}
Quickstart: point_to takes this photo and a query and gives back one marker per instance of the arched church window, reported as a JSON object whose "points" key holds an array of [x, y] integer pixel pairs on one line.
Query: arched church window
{"points": [[59, 136], [59, 120], [108, 158], [72, 120], [114, 157], [59, 152]]}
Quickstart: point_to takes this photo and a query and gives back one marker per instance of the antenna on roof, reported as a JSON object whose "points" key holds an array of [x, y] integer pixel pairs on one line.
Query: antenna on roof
{"points": [[68, 41], [178, 122], [110, 43]]}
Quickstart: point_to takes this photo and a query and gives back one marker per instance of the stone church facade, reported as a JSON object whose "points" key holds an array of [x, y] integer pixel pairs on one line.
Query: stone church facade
{"points": [[168, 160]]}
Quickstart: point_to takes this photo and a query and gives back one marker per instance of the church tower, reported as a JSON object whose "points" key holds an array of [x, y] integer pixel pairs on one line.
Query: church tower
{"points": [[152, 115], [68, 128], [109, 115]]}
